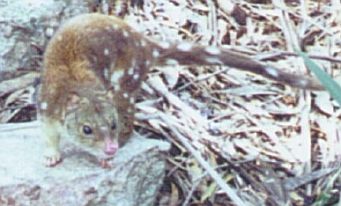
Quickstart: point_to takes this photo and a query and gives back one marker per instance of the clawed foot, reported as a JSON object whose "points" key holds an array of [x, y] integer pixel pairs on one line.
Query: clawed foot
{"points": [[52, 158]]}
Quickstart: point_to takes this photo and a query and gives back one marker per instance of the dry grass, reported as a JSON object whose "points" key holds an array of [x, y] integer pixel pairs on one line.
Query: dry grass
{"points": [[269, 144], [239, 139]]}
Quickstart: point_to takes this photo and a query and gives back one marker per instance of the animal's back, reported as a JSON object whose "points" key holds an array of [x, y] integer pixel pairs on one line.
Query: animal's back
{"points": [[95, 42]]}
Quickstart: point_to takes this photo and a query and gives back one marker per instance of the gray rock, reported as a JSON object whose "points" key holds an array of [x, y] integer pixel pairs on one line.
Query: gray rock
{"points": [[26, 26], [137, 172]]}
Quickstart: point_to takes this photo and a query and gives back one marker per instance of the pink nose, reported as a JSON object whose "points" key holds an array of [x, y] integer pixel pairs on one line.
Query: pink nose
{"points": [[110, 148]]}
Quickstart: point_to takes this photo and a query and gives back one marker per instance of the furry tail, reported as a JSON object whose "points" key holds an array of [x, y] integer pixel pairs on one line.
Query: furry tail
{"points": [[188, 54]]}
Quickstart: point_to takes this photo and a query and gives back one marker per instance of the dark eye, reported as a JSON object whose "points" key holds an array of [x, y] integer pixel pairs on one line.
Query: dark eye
{"points": [[113, 125], [87, 129]]}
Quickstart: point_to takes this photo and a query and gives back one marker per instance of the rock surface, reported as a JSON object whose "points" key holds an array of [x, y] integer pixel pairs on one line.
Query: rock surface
{"points": [[134, 179], [26, 26]]}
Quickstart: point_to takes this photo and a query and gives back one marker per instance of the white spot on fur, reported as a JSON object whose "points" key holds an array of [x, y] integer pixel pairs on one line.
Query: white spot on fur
{"points": [[165, 45], [131, 71], [184, 47], [143, 43], [155, 53], [136, 76], [106, 51], [125, 33], [116, 76], [213, 50], [43, 106], [213, 60], [172, 62], [147, 62], [125, 95], [271, 71], [131, 100]]}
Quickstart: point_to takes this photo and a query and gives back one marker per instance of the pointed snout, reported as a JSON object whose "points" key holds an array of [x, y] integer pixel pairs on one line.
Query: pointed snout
{"points": [[110, 147]]}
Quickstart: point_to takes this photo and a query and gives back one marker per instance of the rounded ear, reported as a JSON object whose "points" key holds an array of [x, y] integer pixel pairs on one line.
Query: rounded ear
{"points": [[74, 101]]}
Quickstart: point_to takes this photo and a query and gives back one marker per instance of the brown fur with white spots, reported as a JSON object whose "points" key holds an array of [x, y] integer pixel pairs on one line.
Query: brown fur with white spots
{"points": [[93, 54]]}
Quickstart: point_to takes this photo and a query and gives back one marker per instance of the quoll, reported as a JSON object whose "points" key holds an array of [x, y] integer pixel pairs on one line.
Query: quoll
{"points": [[102, 61]]}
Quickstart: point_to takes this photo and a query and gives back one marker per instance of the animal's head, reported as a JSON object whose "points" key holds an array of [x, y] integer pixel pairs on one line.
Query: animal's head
{"points": [[92, 123]]}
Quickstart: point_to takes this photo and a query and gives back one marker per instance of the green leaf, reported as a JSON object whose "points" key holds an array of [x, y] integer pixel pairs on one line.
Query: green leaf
{"points": [[330, 85]]}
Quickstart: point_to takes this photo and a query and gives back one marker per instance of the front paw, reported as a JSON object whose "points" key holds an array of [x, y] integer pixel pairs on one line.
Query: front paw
{"points": [[52, 158]]}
